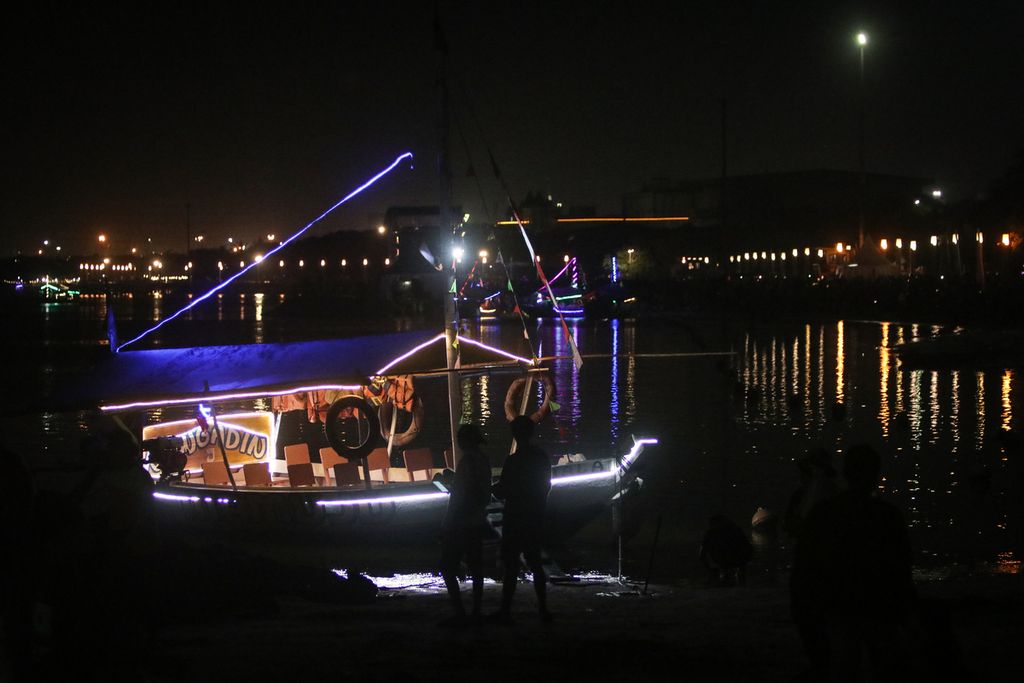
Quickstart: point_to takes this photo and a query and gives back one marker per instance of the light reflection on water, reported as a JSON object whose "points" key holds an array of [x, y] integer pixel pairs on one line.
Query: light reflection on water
{"points": [[730, 434]]}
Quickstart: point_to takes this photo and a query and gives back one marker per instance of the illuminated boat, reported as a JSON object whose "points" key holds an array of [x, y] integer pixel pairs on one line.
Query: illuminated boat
{"points": [[222, 393]]}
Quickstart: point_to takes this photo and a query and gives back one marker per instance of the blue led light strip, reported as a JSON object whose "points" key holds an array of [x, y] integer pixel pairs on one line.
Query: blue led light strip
{"points": [[270, 253]]}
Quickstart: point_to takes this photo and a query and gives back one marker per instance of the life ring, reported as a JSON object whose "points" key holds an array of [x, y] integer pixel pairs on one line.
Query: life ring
{"points": [[359, 451], [387, 409], [513, 398]]}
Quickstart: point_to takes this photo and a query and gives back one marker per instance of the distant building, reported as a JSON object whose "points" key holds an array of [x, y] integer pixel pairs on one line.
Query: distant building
{"points": [[779, 210]]}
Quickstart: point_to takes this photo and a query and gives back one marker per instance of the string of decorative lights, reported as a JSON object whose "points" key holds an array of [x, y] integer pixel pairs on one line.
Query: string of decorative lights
{"points": [[273, 251]]}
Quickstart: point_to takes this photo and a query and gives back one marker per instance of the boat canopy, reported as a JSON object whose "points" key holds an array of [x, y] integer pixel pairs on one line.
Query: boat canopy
{"points": [[157, 377]]}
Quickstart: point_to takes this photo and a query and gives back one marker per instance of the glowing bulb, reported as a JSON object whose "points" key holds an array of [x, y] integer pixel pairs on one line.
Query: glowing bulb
{"points": [[457, 253], [862, 39], [839, 247], [884, 244]]}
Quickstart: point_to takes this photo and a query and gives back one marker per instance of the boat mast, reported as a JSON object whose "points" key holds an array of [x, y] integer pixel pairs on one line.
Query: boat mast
{"points": [[451, 320]]}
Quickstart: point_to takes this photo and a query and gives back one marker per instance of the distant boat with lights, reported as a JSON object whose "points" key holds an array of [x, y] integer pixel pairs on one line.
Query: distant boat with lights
{"points": [[216, 472]]}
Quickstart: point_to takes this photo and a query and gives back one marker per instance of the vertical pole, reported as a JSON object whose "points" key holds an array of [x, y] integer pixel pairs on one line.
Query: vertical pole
{"points": [[860, 154], [188, 241], [722, 201], [451, 321]]}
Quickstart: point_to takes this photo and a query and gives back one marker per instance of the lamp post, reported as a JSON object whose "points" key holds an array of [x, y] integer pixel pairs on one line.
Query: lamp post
{"points": [[862, 41]]}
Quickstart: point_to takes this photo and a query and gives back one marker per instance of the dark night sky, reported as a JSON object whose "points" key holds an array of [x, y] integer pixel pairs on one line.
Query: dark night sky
{"points": [[117, 116]]}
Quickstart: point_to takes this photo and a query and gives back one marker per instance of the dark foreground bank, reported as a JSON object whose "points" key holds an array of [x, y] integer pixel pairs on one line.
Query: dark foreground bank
{"points": [[602, 631]]}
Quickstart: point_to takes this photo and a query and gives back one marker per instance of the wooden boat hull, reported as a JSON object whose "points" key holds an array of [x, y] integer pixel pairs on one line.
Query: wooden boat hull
{"points": [[384, 515]]}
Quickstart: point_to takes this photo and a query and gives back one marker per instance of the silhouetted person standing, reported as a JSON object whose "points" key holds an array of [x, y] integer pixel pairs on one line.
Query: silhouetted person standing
{"points": [[465, 522], [852, 581], [524, 485]]}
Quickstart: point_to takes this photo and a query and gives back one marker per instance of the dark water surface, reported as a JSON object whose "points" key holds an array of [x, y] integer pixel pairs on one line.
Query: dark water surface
{"points": [[730, 427]]}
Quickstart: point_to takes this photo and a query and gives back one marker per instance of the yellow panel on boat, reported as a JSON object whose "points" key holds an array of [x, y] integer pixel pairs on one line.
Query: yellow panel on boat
{"points": [[248, 437]]}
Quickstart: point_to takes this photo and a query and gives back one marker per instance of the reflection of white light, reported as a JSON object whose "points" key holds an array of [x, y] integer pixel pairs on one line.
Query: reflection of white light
{"points": [[409, 353], [627, 460], [191, 499], [413, 498], [473, 342]]}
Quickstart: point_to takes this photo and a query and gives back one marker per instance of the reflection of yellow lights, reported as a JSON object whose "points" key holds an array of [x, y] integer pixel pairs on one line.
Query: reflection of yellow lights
{"points": [[884, 244], [979, 237], [883, 357], [1007, 417], [840, 361], [956, 238], [839, 247], [1005, 239], [954, 412], [979, 435]]}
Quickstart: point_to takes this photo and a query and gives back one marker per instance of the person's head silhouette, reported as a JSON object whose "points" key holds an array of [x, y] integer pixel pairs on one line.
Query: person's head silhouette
{"points": [[861, 467]]}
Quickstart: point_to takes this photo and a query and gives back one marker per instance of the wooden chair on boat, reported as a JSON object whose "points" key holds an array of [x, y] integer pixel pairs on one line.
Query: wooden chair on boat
{"points": [[301, 474], [329, 458], [346, 473], [378, 461], [419, 460], [215, 473], [257, 474], [296, 454]]}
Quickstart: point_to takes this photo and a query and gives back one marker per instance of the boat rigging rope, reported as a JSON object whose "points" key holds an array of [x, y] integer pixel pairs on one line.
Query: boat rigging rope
{"points": [[490, 216], [279, 247]]}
